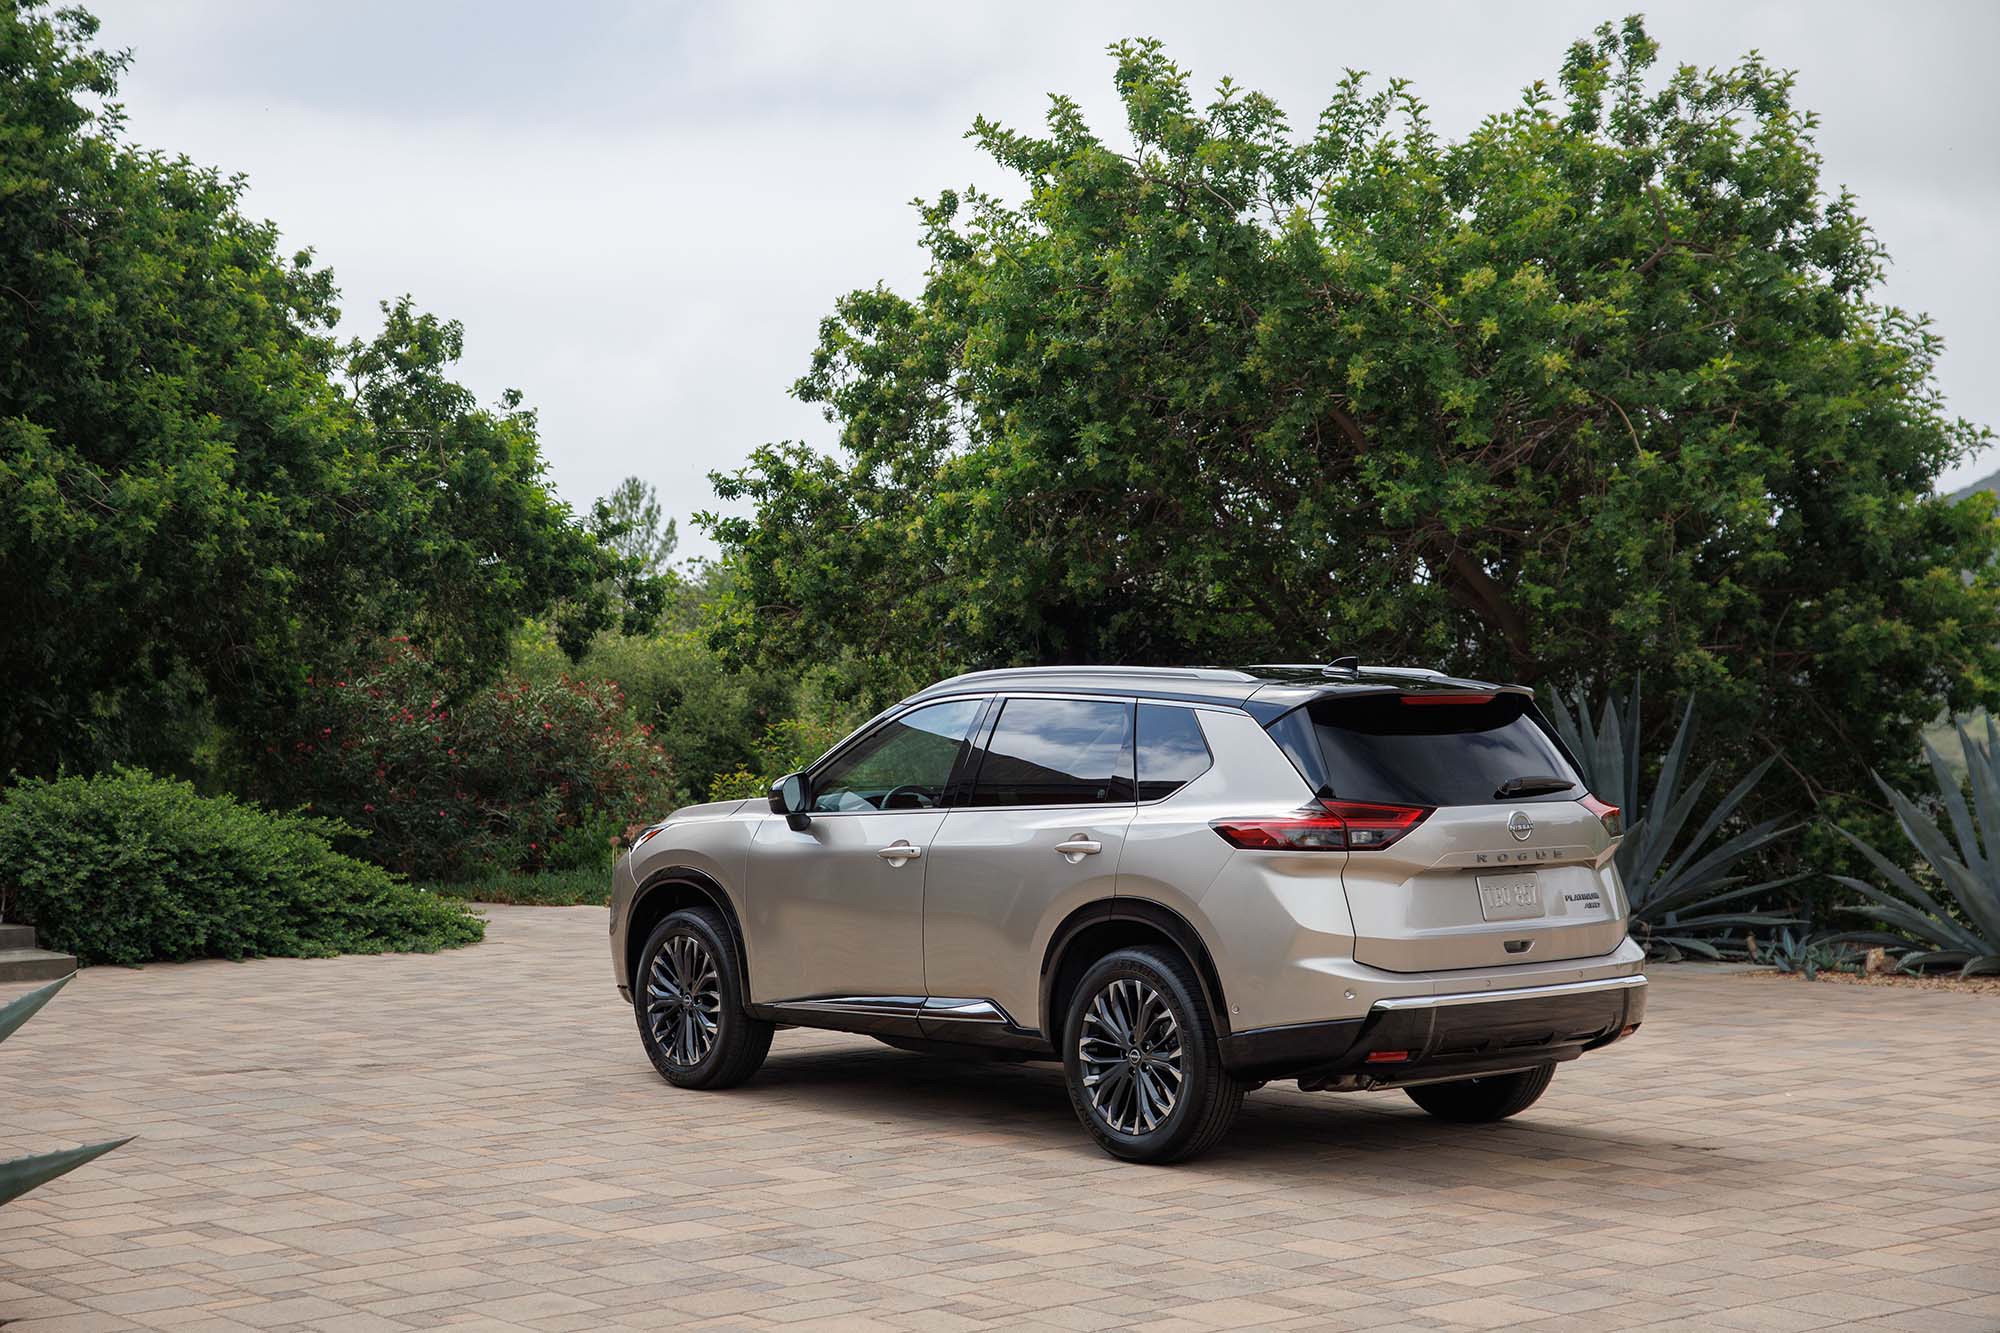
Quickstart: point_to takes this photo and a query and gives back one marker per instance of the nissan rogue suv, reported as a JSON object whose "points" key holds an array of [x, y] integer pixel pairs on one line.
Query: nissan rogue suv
{"points": [[1180, 883]]}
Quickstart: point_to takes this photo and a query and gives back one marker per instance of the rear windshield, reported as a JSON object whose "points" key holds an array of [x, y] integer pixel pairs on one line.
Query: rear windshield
{"points": [[1385, 748]]}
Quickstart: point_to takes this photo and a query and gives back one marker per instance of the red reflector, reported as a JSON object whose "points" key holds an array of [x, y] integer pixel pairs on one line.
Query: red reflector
{"points": [[1607, 815], [1422, 699], [1387, 1057], [1330, 826], [1628, 1029]]}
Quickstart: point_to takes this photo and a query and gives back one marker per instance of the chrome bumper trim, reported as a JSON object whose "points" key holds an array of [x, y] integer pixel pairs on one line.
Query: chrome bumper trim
{"points": [[1560, 989]]}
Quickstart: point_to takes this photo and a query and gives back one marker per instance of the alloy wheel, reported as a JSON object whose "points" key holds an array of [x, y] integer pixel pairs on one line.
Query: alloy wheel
{"points": [[684, 1000], [1130, 1051]]}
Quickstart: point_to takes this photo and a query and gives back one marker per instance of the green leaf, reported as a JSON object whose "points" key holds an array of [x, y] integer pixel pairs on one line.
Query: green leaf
{"points": [[23, 1007], [22, 1174]]}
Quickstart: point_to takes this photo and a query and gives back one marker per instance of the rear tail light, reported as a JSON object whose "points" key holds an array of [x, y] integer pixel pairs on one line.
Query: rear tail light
{"points": [[1606, 815], [1329, 826]]}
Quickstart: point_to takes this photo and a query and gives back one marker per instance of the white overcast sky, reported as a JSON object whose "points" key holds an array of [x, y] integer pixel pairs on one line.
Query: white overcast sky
{"points": [[641, 212]]}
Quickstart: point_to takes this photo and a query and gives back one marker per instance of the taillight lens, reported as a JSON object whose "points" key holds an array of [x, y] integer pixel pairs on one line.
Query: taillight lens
{"points": [[1606, 815], [1328, 826]]}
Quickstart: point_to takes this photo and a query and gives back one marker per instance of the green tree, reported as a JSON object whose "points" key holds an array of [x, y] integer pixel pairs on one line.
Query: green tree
{"points": [[640, 537], [1600, 389], [201, 493]]}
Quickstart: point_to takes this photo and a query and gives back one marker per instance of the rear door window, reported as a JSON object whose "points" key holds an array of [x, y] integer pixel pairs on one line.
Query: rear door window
{"points": [[1058, 752], [1412, 749], [1172, 750]]}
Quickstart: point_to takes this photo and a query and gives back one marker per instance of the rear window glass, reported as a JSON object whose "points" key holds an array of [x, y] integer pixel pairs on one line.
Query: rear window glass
{"points": [[1381, 748]]}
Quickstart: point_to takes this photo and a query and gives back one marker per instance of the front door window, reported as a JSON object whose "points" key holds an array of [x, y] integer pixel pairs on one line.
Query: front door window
{"points": [[902, 765]]}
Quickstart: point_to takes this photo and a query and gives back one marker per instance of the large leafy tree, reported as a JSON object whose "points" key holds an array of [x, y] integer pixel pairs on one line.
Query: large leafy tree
{"points": [[1599, 389], [202, 494]]}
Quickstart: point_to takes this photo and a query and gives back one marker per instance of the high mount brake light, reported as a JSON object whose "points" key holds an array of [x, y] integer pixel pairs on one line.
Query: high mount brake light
{"points": [[1607, 815], [1327, 826], [1419, 700]]}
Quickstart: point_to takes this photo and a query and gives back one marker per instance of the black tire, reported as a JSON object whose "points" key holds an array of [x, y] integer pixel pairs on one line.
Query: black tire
{"points": [[672, 1031], [1207, 1098], [1479, 1101]]}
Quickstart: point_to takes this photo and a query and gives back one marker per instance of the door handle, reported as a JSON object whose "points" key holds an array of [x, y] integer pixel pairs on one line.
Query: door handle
{"points": [[1079, 847], [899, 852]]}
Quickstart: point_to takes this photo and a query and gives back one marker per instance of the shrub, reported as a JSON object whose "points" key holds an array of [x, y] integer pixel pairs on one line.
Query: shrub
{"points": [[1966, 865], [516, 776], [787, 747], [130, 868]]}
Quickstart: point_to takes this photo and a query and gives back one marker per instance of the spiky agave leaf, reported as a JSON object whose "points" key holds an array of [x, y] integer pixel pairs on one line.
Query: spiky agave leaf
{"points": [[22, 1174], [23, 1007], [1667, 871]]}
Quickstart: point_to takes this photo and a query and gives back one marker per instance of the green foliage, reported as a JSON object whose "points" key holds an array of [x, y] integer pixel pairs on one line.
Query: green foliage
{"points": [[201, 492], [1604, 382], [22, 1174], [130, 868], [639, 535], [788, 745], [1806, 957], [550, 888], [1674, 883], [453, 784], [1970, 874]]}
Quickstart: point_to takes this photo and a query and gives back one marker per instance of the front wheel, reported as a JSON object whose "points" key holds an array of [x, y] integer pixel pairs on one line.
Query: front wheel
{"points": [[689, 1003], [1478, 1101], [1141, 1061]]}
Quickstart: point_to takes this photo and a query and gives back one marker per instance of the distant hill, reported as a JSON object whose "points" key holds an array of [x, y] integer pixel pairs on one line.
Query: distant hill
{"points": [[1991, 483]]}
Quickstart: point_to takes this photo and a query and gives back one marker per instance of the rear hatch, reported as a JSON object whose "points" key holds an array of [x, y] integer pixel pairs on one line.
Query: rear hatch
{"points": [[1510, 861]]}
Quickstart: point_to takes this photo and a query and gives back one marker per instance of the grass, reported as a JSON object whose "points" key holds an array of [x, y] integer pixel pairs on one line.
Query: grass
{"points": [[554, 888]]}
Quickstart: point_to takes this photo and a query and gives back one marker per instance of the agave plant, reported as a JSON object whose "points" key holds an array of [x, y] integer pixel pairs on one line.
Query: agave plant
{"points": [[1807, 957], [24, 1173], [1675, 883], [1968, 873]]}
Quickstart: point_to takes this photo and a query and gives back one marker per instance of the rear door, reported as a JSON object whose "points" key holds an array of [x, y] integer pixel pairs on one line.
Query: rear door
{"points": [[1040, 831], [1509, 865]]}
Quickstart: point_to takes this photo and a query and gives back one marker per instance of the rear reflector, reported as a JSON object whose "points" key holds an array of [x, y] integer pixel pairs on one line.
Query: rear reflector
{"points": [[1329, 826], [1387, 1057], [1420, 700], [1607, 815]]}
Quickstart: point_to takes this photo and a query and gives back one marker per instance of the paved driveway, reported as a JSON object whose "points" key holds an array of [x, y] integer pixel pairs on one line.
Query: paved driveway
{"points": [[475, 1139]]}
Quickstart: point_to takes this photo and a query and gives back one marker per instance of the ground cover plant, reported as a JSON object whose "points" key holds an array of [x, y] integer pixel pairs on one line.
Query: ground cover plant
{"points": [[130, 868]]}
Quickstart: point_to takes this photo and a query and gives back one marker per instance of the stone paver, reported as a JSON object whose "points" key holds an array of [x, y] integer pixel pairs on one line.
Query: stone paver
{"points": [[475, 1140]]}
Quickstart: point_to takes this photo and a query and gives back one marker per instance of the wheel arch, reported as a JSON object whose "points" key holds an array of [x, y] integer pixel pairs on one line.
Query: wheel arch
{"points": [[668, 890], [1096, 929]]}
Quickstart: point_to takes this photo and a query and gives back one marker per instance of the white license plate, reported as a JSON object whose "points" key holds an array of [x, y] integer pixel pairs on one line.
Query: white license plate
{"points": [[1509, 897]]}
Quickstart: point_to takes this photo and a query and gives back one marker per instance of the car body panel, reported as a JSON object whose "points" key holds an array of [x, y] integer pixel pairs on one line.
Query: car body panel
{"points": [[830, 916], [997, 888]]}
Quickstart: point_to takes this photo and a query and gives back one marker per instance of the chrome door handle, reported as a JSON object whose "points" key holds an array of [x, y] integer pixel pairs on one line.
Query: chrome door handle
{"points": [[1079, 847], [899, 852]]}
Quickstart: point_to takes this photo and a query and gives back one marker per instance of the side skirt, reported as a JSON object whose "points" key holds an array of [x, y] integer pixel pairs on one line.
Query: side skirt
{"points": [[964, 1021]]}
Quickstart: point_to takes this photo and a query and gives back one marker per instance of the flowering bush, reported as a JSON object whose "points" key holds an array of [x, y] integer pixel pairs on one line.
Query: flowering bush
{"points": [[518, 776]]}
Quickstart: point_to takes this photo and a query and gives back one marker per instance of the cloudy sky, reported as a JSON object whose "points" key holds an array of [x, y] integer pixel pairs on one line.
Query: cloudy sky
{"points": [[640, 212]]}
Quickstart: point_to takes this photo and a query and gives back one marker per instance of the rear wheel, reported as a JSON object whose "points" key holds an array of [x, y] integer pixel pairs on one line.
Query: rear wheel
{"points": [[1141, 1062], [1476, 1101], [689, 1003]]}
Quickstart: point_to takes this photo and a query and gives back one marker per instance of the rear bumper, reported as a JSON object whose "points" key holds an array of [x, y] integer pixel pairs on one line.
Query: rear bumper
{"points": [[1426, 1038]]}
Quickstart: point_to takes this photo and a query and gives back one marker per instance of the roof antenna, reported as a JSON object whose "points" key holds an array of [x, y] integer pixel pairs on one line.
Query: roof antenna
{"points": [[1342, 664]]}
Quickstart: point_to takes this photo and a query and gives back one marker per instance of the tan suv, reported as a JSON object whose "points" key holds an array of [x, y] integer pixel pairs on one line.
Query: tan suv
{"points": [[1181, 883]]}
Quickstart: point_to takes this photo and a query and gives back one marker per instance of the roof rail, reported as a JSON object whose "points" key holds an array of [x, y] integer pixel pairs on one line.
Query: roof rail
{"points": [[1170, 673]]}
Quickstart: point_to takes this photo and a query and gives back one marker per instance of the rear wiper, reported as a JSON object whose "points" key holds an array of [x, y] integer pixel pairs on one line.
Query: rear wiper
{"points": [[1532, 786]]}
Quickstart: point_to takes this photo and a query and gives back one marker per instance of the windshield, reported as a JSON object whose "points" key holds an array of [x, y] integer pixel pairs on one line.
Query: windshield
{"points": [[1406, 749]]}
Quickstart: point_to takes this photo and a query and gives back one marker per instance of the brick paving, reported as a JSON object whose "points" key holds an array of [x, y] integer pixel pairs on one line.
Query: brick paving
{"points": [[475, 1140]]}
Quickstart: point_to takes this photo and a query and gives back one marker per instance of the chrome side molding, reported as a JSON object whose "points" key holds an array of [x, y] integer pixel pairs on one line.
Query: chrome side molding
{"points": [[934, 1007]]}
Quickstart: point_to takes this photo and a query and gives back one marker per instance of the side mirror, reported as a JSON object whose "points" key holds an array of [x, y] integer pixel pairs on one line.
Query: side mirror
{"points": [[788, 798]]}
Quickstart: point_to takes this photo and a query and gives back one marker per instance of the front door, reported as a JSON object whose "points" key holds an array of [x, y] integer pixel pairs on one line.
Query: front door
{"points": [[836, 908], [1040, 832]]}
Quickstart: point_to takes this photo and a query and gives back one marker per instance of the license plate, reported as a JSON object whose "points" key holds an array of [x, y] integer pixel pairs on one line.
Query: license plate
{"points": [[1509, 897]]}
